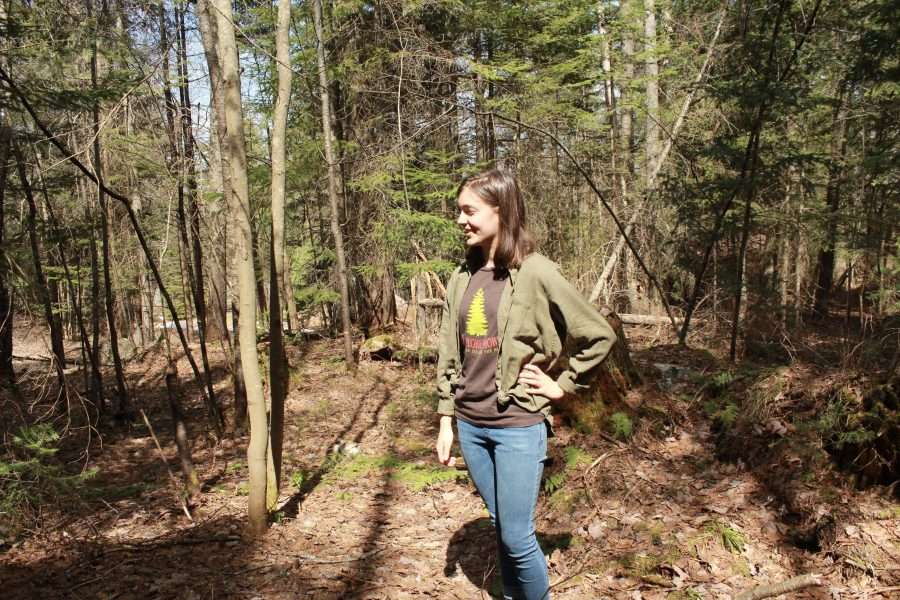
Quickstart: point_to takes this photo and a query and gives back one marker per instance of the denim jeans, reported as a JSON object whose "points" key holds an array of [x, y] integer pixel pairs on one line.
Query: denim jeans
{"points": [[506, 465]]}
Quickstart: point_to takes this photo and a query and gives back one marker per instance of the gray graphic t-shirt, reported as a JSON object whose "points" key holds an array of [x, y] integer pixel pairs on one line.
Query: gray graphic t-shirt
{"points": [[476, 394]]}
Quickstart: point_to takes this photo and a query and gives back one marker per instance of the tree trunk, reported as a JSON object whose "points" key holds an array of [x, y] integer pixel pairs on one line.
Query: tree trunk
{"points": [[608, 390], [332, 185], [97, 391], [206, 17], [42, 290], [237, 159], [277, 358], [625, 119], [188, 170], [123, 404], [826, 260], [6, 312], [180, 431], [651, 144], [88, 354]]}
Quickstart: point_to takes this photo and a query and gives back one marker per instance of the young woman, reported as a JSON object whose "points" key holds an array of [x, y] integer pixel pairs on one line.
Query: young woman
{"points": [[507, 313]]}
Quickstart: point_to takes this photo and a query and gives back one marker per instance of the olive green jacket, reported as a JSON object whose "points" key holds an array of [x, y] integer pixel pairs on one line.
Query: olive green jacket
{"points": [[538, 309]]}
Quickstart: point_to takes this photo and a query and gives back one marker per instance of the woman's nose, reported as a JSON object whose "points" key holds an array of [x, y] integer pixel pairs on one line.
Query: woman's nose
{"points": [[461, 219]]}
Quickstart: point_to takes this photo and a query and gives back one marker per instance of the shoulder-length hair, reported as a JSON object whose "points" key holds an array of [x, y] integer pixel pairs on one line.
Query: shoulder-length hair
{"points": [[499, 188]]}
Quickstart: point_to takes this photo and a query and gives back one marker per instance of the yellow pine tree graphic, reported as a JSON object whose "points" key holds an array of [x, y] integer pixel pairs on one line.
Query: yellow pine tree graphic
{"points": [[476, 323]]}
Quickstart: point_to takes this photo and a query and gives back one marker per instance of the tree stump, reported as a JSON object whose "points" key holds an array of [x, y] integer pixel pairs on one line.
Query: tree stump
{"points": [[612, 380]]}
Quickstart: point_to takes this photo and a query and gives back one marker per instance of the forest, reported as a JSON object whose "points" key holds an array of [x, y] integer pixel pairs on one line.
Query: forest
{"points": [[226, 234]]}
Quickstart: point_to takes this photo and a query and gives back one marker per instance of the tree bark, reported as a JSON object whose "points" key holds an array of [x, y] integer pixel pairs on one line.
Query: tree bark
{"points": [[277, 358], [651, 143], [207, 19], [237, 159], [332, 186], [6, 311]]}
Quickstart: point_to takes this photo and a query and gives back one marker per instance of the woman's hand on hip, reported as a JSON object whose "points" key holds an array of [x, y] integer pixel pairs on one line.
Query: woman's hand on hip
{"points": [[445, 441], [540, 383]]}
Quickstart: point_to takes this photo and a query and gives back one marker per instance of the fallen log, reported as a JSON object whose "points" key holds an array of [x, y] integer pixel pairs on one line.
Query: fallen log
{"points": [[629, 319], [777, 589]]}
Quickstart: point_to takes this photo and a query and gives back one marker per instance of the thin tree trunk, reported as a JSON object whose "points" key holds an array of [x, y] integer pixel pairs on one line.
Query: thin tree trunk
{"points": [[188, 168], [625, 117], [277, 358], [826, 260], [97, 390], [332, 186], [237, 159], [651, 143], [89, 357], [180, 431], [6, 309], [42, 290], [123, 404], [207, 19], [600, 286], [215, 415]]}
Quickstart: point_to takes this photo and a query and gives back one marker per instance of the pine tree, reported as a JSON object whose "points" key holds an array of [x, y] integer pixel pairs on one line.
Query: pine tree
{"points": [[476, 322]]}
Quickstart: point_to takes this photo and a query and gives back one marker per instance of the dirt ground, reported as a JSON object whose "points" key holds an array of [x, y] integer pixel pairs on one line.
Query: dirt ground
{"points": [[367, 513]]}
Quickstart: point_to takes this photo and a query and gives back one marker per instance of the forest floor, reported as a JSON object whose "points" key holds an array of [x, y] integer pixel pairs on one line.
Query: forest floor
{"points": [[366, 512]]}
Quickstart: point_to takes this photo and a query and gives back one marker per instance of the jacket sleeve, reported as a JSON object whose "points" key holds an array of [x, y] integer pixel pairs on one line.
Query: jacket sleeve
{"points": [[446, 366], [591, 334]]}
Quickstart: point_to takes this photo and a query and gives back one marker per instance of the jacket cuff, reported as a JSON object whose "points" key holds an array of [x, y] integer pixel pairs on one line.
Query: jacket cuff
{"points": [[446, 407], [566, 383]]}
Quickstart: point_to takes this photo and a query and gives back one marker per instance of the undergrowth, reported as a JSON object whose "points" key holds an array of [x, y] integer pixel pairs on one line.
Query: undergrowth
{"points": [[30, 476]]}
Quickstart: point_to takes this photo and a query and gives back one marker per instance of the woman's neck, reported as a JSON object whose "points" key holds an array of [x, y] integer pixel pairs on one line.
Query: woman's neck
{"points": [[488, 254]]}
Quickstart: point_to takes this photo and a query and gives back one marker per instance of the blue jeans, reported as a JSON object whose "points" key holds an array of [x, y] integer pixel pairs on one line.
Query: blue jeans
{"points": [[506, 466]]}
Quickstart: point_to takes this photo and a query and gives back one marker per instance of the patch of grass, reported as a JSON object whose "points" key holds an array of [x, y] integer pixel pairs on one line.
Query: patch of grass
{"points": [[888, 513], [621, 426], [654, 530], [426, 397], [298, 478], [344, 496], [565, 501], [731, 539], [554, 482], [576, 457], [235, 467], [645, 566], [242, 489], [414, 476]]}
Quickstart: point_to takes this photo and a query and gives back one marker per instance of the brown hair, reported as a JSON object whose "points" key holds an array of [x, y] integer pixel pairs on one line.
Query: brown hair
{"points": [[499, 188]]}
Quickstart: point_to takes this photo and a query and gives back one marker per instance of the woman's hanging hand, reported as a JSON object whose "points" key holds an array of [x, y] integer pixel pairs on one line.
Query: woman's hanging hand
{"points": [[445, 441], [540, 383]]}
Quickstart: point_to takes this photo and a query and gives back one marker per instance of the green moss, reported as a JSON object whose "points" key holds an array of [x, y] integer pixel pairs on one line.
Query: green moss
{"points": [[621, 425], [731, 539], [415, 476], [426, 397], [576, 457]]}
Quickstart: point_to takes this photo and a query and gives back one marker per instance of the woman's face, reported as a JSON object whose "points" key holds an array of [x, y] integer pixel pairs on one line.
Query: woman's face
{"points": [[479, 220]]}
